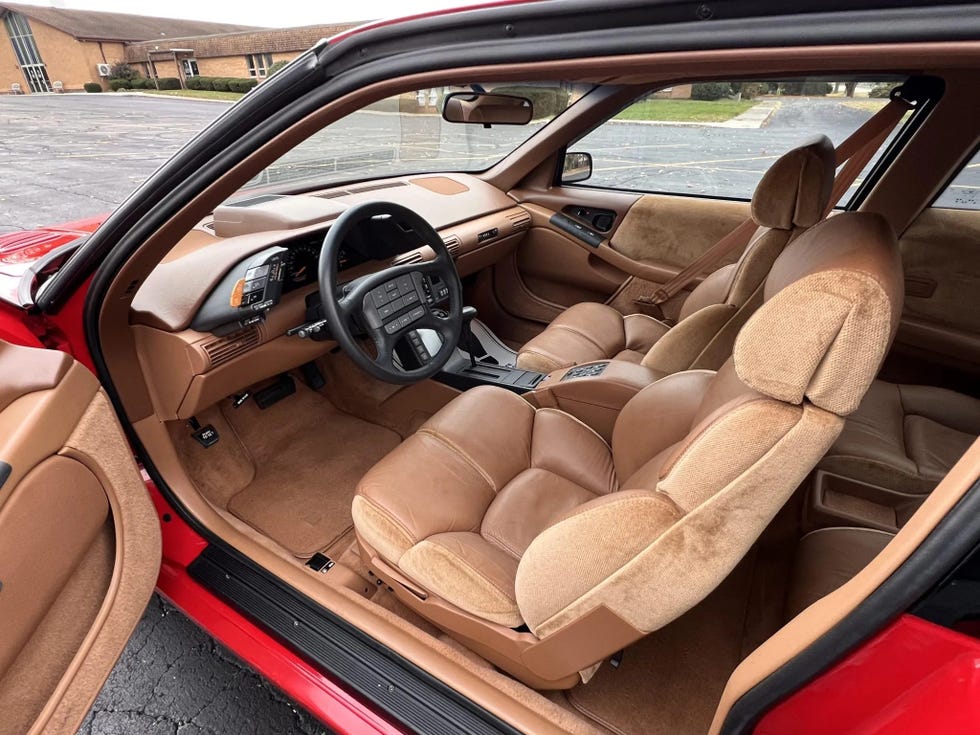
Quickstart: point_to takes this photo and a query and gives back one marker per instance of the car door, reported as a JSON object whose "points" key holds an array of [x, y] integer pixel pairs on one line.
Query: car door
{"points": [[671, 174], [79, 540], [938, 339]]}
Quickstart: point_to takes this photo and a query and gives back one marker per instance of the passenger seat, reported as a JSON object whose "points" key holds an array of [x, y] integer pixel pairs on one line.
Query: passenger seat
{"points": [[904, 437], [791, 197], [826, 559]]}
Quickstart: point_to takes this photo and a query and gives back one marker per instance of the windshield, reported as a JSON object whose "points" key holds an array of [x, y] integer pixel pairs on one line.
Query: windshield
{"points": [[406, 134]]}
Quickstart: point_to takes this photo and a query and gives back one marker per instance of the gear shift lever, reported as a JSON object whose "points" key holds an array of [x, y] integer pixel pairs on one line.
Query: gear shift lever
{"points": [[467, 339]]}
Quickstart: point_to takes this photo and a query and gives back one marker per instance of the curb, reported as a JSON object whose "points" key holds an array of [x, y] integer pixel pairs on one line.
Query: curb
{"points": [[171, 97]]}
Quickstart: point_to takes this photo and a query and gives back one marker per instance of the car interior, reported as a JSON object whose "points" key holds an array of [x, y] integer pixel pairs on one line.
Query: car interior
{"points": [[545, 438]]}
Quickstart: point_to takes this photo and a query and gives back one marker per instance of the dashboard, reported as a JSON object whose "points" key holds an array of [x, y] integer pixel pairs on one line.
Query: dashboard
{"points": [[214, 316]]}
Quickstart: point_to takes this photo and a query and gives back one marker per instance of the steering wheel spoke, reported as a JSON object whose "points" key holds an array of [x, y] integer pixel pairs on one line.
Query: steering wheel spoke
{"points": [[393, 301]]}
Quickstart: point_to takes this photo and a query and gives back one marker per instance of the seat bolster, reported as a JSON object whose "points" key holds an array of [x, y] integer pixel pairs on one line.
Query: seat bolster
{"points": [[714, 289], [582, 333], [680, 348], [466, 570], [826, 559], [583, 548], [567, 447], [657, 417], [481, 412], [642, 331]]}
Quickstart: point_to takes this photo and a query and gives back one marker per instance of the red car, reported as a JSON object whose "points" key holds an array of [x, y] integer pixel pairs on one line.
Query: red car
{"points": [[643, 399]]}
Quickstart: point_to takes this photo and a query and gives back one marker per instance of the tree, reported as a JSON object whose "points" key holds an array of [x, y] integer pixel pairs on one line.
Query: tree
{"points": [[849, 88], [275, 67], [123, 71]]}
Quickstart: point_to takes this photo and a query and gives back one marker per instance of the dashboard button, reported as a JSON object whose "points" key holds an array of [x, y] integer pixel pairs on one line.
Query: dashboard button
{"points": [[404, 320], [391, 286], [379, 296], [411, 298], [386, 311], [416, 313], [397, 305], [392, 326], [405, 283]]}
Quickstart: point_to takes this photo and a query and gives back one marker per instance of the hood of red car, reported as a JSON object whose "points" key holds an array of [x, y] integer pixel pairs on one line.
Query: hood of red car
{"points": [[20, 250]]}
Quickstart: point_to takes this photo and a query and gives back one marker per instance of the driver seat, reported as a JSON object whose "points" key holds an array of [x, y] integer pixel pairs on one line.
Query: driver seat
{"points": [[525, 536]]}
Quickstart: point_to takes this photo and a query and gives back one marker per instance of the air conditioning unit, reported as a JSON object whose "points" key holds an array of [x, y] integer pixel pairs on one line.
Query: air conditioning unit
{"points": [[104, 69]]}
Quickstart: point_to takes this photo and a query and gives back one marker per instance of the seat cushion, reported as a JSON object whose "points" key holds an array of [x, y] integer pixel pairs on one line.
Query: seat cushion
{"points": [[455, 512], [905, 437], [587, 332], [826, 559]]}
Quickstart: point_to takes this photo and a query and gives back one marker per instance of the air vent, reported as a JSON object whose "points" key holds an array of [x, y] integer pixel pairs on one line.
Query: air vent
{"points": [[376, 187], [222, 349], [452, 245], [414, 256], [519, 220], [333, 194]]}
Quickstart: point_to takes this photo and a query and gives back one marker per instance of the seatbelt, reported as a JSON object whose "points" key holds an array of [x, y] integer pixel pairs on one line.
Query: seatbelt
{"points": [[854, 153]]}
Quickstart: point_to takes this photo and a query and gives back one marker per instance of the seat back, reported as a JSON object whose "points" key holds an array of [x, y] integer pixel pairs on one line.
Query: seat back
{"points": [[705, 460], [790, 198]]}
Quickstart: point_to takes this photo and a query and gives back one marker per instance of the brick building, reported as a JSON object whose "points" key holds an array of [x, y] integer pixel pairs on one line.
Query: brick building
{"points": [[243, 54], [46, 49]]}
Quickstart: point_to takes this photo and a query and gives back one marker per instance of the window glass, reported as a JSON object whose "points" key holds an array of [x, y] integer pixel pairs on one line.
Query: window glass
{"points": [[406, 134], [190, 68], [963, 191], [258, 64], [718, 138]]}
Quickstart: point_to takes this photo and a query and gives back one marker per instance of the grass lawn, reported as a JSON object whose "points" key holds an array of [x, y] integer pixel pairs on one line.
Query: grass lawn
{"points": [[201, 93], [685, 110]]}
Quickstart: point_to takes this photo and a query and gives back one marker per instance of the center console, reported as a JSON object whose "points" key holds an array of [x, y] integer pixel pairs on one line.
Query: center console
{"points": [[595, 392]]}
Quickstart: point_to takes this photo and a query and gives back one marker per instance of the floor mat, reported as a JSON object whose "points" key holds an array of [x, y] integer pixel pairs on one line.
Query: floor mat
{"points": [[669, 683], [308, 458]]}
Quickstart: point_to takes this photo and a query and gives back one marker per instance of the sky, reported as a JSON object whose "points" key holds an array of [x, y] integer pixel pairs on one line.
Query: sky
{"points": [[278, 13]]}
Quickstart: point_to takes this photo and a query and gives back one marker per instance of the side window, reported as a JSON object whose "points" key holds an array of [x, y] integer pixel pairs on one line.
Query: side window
{"points": [[963, 191], [717, 139]]}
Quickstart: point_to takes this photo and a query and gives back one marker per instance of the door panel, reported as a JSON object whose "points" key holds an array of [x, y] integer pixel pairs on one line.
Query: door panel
{"points": [[79, 540], [941, 318], [653, 237]]}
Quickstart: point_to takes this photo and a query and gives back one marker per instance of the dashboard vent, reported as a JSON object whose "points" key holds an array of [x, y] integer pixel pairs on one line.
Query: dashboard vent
{"points": [[337, 193], [520, 220], [452, 245], [413, 257], [376, 187], [222, 349]]}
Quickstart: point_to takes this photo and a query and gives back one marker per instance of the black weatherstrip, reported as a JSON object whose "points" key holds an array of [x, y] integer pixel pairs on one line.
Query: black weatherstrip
{"points": [[377, 674]]}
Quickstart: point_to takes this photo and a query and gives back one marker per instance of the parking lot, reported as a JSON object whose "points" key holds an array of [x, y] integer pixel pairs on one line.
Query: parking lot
{"points": [[74, 156]]}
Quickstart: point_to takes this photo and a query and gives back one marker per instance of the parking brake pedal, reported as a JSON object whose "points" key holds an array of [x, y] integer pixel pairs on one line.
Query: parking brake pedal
{"points": [[206, 436]]}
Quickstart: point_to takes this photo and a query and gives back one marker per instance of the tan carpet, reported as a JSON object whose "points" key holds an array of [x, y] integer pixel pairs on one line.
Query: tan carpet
{"points": [[308, 458], [669, 683]]}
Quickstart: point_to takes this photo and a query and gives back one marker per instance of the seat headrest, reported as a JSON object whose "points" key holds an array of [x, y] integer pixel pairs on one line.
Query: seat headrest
{"points": [[795, 190], [833, 300]]}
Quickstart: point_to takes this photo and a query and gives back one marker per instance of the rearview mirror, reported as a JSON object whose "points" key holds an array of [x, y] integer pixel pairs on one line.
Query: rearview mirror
{"points": [[483, 108], [576, 167]]}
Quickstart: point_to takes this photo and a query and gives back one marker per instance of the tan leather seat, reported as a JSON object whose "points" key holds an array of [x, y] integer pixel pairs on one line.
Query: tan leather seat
{"points": [[528, 538], [826, 559], [791, 197], [905, 437]]}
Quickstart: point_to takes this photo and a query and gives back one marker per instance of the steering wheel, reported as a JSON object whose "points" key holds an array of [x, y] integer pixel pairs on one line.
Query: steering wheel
{"points": [[391, 304]]}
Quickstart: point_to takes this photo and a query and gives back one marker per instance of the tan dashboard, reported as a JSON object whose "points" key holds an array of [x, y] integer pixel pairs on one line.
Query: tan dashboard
{"points": [[190, 370]]}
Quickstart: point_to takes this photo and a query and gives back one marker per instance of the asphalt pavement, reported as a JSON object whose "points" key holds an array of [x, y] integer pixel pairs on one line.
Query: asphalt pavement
{"points": [[65, 157]]}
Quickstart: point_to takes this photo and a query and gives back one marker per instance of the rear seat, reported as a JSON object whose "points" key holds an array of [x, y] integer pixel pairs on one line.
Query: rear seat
{"points": [[826, 559], [904, 437]]}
